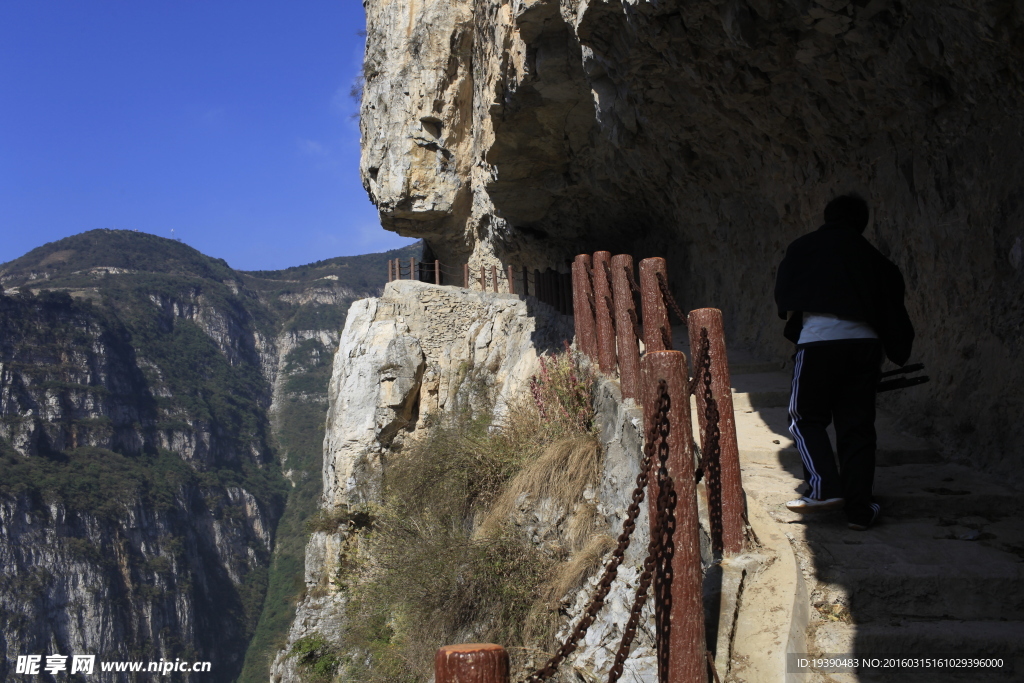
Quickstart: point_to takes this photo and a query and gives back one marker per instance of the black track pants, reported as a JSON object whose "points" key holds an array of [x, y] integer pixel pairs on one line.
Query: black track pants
{"points": [[836, 381]]}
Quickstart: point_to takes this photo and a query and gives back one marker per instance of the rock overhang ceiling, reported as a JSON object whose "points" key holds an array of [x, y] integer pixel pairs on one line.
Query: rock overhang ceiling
{"points": [[713, 133]]}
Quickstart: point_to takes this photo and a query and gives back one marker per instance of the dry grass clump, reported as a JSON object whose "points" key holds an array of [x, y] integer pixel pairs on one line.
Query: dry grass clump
{"points": [[449, 557], [562, 474], [564, 393]]}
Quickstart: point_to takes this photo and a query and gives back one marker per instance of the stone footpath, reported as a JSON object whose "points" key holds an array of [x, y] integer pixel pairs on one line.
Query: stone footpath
{"points": [[942, 572]]}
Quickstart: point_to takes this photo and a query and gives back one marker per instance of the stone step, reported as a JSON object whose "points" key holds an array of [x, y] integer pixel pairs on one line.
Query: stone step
{"points": [[928, 638], [909, 571], [884, 456], [761, 427], [913, 491], [947, 490], [741, 361], [756, 400], [752, 368], [758, 390], [942, 573], [924, 503]]}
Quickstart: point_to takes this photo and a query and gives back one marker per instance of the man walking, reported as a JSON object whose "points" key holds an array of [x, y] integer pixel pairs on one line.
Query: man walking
{"points": [[843, 302]]}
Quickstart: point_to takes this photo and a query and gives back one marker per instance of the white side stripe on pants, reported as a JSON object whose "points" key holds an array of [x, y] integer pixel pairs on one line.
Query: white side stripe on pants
{"points": [[801, 445]]}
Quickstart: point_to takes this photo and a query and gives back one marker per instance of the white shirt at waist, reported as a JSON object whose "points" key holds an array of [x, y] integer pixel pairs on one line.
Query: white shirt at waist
{"points": [[827, 327]]}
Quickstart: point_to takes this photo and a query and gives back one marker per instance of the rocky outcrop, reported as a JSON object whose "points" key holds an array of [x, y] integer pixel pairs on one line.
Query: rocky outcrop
{"points": [[403, 360], [321, 612], [712, 133], [414, 353]]}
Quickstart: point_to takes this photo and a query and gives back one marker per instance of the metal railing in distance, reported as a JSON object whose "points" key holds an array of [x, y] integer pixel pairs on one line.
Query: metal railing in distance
{"points": [[471, 663], [438, 273], [678, 605], [723, 480]]}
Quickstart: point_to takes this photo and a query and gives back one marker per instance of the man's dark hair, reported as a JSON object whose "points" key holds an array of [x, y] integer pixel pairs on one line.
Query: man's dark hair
{"points": [[848, 211]]}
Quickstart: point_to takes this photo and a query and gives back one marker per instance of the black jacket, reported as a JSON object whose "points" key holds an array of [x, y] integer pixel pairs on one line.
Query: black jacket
{"points": [[835, 270]]}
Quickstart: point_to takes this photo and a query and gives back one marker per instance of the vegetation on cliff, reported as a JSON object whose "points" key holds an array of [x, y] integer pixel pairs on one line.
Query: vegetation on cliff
{"points": [[452, 554]]}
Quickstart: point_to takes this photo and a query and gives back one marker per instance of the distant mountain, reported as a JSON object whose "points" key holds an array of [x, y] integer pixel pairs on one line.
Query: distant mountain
{"points": [[159, 413]]}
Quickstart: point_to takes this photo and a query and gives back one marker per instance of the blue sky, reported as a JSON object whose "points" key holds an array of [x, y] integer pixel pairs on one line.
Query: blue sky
{"points": [[228, 121]]}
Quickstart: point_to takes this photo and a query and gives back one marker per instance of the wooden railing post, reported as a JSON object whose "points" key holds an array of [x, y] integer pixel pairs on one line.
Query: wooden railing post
{"points": [[538, 285], [390, 269], [412, 268], [465, 275], [626, 347], [511, 280], [472, 663], [494, 278], [723, 480], [526, 283], [657, 330], [437, 272], [582, 295], [603, 313], [678, 606], [483, 278]]}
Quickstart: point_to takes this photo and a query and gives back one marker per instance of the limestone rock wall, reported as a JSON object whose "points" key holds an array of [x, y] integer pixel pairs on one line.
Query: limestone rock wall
{"points": [[415, 352], [713, 132]]}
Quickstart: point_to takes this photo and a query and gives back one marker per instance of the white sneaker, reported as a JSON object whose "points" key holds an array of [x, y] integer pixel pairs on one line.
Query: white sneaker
{"points": [[805, 504]]}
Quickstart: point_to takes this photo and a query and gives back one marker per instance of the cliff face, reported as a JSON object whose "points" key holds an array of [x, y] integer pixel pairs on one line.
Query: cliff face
{"points": [[135, 523], [150, 398], [403, 361], [713, 133]]}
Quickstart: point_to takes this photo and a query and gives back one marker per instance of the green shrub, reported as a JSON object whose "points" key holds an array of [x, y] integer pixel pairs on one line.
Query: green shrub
{"points": [[317, 658]]}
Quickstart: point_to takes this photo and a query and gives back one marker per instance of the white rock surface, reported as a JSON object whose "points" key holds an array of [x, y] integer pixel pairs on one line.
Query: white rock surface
{"points": [[405, 356], [418, 350]]}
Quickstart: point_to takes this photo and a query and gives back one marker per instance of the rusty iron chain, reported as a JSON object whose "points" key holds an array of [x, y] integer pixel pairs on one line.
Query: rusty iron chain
{"points": [[636, 324], [670, 300], [632, 282], [628, 526], [590, 294], [662, 528], [666, 339], [607, 300], [637, 329], [712, 450]]}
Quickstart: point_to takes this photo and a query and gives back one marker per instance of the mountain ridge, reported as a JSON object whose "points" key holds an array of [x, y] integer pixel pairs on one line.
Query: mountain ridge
{"points": [[160, 417]]}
